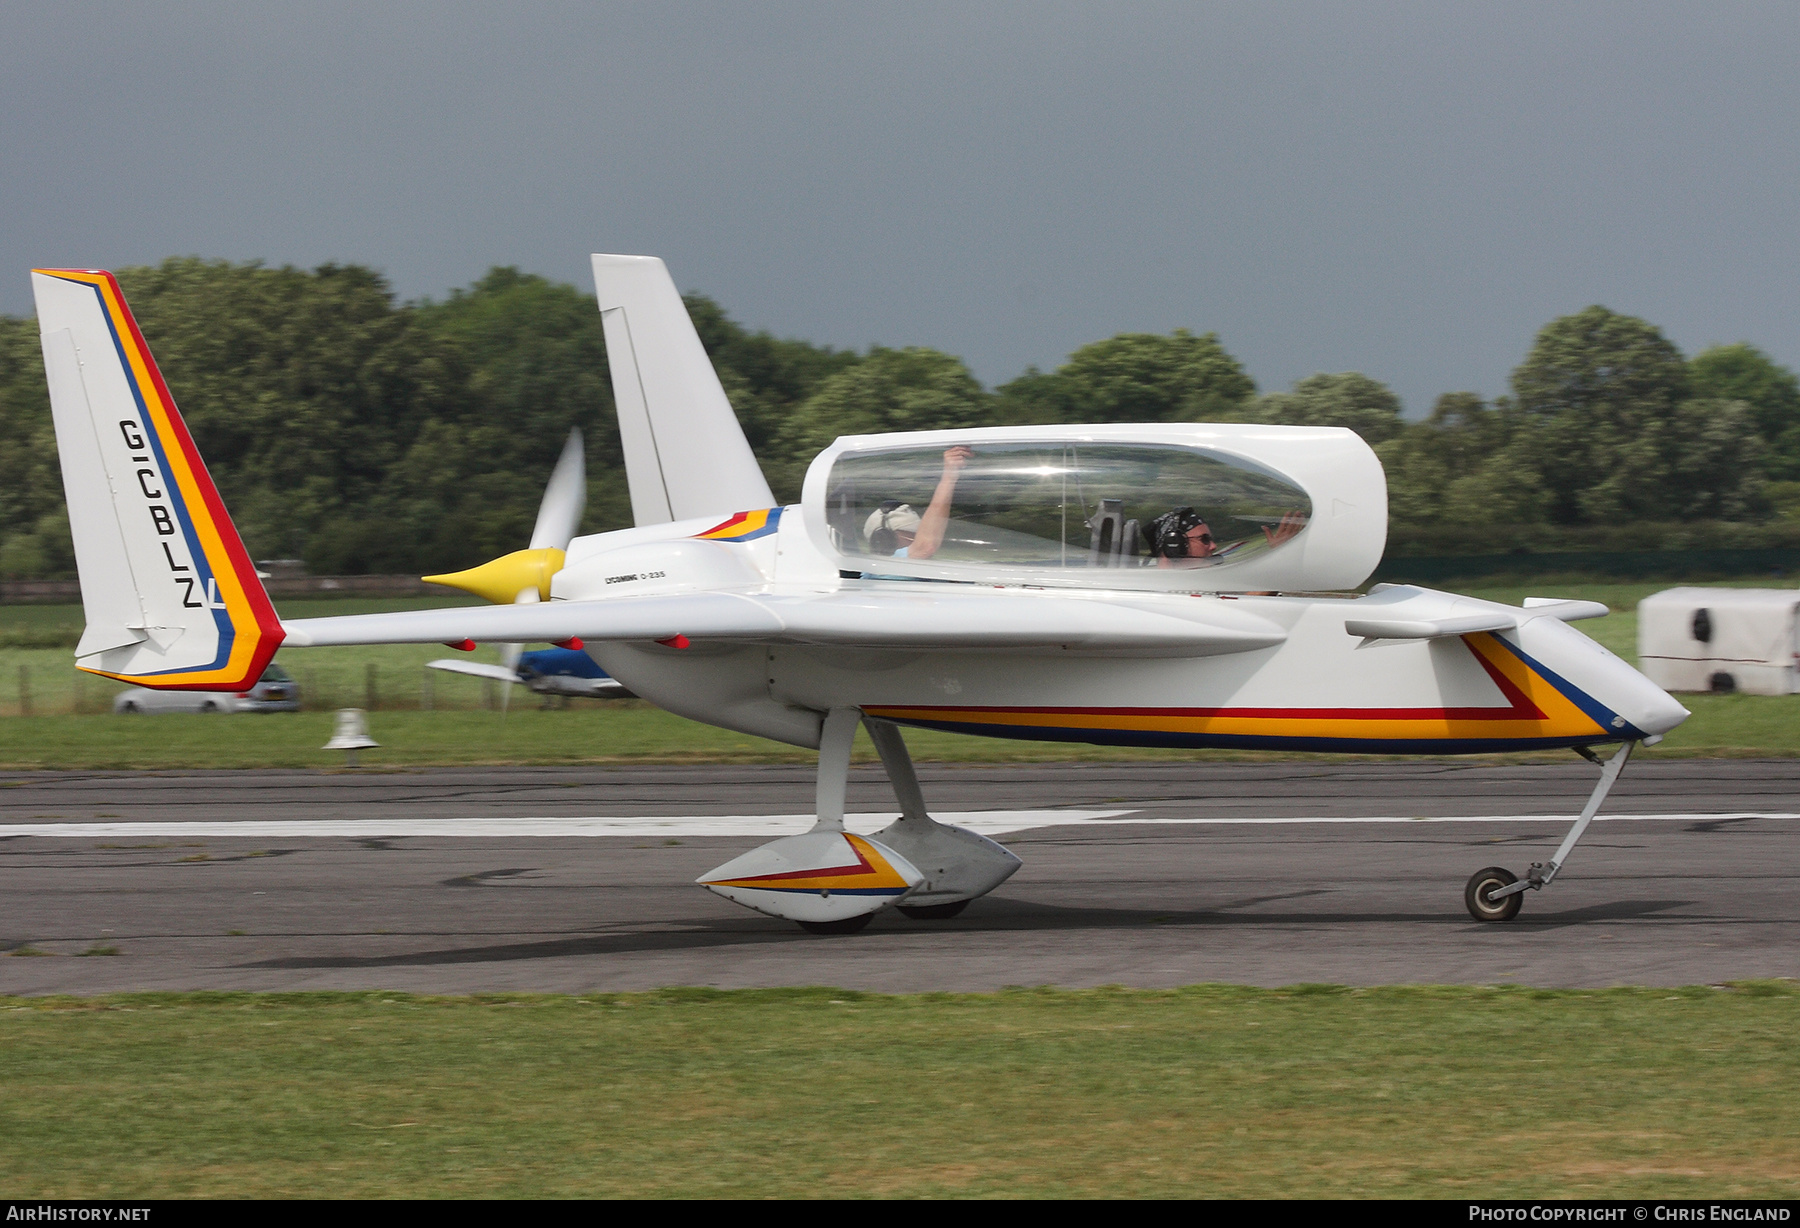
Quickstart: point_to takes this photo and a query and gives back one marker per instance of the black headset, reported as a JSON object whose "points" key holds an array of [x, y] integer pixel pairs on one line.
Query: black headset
{"points": [[885, 541], [1168, 533]]}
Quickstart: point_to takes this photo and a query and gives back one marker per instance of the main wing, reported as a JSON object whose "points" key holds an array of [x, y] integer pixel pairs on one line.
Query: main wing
{"points": [[898, 617]]}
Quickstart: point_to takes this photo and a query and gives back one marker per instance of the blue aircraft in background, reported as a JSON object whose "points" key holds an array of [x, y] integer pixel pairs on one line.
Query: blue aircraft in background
{"points": [[548, 671]]}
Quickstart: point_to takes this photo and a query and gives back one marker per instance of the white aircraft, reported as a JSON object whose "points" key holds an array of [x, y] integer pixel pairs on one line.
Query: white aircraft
{"points": [[1168, 584]]}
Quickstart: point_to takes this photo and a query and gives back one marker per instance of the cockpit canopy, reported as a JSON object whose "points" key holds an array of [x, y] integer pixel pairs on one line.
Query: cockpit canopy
{"points": [[1031, 503], [1159, 506]]}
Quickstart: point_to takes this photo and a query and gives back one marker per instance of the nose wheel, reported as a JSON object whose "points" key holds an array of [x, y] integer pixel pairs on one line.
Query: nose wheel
{"points": [[1479, 895], [1494, 894]]}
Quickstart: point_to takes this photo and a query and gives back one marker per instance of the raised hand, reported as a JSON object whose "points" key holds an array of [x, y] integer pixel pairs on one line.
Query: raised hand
{"points": [[1291, 523]]}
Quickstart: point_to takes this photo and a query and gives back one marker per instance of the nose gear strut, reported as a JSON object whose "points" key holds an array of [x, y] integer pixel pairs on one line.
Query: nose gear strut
{"points": [[1495, 894]]}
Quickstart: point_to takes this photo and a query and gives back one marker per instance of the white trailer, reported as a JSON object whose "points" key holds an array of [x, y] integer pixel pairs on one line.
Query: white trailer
{"points": [[1720, 639]]}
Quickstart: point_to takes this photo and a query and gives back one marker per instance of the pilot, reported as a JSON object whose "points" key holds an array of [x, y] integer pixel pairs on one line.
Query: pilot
{"points": [[1183, 534], [1180, 534], [896, 529]]}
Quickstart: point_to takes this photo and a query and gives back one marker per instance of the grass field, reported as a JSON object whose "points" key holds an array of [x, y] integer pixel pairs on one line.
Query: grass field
{"points": [[71, 725], [1209, 1091]]}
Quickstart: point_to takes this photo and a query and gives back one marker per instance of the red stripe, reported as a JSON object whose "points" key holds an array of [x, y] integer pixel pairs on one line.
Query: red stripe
{"points": [[1520, 701]]}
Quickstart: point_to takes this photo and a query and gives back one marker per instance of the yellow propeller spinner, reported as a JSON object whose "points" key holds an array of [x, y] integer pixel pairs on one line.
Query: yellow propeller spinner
{"points": [[502, 580]]}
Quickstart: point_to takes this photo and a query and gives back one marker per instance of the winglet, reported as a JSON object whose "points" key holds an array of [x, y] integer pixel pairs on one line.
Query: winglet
{"points": [[171, 597], [685, 453]]}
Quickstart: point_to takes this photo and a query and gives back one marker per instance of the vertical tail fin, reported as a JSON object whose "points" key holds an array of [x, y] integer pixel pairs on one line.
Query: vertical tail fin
{"points": [[685, 454], [171, 597]]}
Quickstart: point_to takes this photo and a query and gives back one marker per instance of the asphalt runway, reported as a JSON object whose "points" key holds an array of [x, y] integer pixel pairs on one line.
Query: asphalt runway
{"points": [[574, 879]]}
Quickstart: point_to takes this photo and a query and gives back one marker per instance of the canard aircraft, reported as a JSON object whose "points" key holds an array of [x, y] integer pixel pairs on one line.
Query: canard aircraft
{"points": [[1165, 585]]}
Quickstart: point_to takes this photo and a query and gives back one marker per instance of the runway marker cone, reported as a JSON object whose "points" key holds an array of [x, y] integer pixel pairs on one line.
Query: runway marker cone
{"points": [[351, 735]]}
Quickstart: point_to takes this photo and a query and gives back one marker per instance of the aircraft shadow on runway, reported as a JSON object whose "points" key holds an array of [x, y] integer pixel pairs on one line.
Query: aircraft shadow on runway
{"points": [[988, 916]]}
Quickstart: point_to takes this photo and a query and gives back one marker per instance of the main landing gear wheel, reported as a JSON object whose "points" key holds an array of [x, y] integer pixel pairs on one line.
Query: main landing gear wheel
{"points": [[1476, 894], [849, 925], [932, 912]]}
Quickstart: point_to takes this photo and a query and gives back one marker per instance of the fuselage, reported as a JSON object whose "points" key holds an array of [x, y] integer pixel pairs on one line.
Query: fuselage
{"points": [[1540, 683]]}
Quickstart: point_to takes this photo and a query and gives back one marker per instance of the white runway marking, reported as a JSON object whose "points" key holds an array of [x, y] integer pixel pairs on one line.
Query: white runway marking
{"points": [[987, 822], [1484, 818]]}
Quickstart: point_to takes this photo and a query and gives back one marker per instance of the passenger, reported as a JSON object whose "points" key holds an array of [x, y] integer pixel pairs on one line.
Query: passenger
{"points": [[896, 529], [891, 528]]}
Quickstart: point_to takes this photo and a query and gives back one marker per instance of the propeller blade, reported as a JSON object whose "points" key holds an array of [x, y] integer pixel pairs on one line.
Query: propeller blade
{"points": [[559, 515], [510, 654], [565, 498]]}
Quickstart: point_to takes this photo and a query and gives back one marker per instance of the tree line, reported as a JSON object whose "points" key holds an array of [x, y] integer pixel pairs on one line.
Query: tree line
{"points": [[362, 434]]}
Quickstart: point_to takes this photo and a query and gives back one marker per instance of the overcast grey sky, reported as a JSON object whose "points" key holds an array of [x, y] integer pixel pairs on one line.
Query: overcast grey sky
{"points": [[1408, 190]]}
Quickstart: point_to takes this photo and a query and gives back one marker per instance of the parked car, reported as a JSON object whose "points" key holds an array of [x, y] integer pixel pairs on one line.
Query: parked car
{"points": [[275, 691]]}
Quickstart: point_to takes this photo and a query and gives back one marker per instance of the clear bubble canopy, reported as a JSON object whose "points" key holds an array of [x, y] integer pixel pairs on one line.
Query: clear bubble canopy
{"points": [[1054, 505]]}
